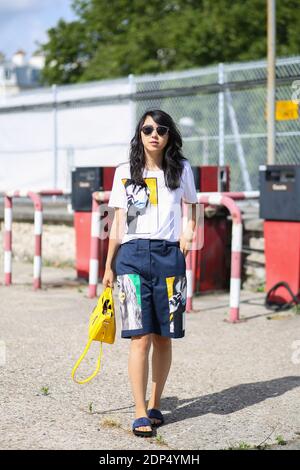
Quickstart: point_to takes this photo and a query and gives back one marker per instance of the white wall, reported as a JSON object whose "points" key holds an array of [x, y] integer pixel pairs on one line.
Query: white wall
{"points": [[86, 135]]}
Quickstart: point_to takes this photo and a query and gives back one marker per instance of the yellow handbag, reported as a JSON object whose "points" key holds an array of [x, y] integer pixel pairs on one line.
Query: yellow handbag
{"points": [[102, 327]]}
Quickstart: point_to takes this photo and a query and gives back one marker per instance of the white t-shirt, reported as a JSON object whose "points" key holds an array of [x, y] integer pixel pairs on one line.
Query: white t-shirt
{"points": [[153, 211]]}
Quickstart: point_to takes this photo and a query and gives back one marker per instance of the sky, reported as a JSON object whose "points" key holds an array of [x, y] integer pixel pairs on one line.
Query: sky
{"points": [[23, 22]]}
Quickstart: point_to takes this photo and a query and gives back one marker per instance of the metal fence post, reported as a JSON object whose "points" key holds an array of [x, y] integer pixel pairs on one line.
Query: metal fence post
{"points": [[238, 142], [221, 114], [70, 165], [132, 105], [54, 90], [271, 81]]}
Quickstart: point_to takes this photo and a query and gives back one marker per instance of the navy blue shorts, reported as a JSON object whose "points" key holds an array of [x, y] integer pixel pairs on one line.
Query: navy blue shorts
{"points": [[151, 282]]}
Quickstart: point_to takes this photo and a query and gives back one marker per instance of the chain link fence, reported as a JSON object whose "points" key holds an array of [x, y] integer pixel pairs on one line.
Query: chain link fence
{"points": [[220, 111]]}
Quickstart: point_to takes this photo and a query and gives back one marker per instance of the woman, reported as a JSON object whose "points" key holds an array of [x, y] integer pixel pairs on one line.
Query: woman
{"points": [[147, 254]]}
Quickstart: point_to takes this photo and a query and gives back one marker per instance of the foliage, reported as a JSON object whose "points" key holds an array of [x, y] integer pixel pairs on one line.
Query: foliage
{"points": [[120, 37]]}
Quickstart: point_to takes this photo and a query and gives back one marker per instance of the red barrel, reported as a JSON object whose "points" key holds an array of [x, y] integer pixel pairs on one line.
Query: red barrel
{"points": [[280, 209], [282, 252]]}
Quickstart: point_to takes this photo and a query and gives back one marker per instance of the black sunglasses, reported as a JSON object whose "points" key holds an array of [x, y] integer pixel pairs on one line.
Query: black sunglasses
{"points": [[161, 130]]}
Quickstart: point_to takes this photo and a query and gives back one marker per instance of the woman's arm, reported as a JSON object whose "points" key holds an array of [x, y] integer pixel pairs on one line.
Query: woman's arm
{"points": [[188, 234], [115, 238]]}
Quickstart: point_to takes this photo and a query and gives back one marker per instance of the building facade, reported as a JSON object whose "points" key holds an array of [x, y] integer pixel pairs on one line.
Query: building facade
{"points": [[19, 74]]}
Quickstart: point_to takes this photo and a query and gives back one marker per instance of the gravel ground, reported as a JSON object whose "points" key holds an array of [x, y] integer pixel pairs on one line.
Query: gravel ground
{"points": [[230, 385]]}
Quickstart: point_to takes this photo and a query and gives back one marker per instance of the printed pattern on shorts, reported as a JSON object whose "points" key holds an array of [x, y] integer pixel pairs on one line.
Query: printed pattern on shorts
{"points": [[176, 288], [130, 301], [151, 279]]}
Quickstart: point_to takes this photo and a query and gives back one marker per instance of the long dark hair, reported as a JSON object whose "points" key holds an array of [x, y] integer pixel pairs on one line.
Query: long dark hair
{"points": [[172, 163]]}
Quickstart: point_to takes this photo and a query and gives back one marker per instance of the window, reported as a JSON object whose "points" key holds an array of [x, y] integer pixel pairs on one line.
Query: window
{"points": [[7, 74]]}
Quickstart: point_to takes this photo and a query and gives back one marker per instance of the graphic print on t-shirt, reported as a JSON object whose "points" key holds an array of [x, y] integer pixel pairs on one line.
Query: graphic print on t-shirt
{"points": [[142, 206]]}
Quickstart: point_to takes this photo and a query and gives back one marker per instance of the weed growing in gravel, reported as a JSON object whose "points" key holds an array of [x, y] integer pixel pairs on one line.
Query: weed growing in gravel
{"points": [[160, 440], [296, 309], [45, 390], [110, 423], [280, 441], [242, 446], [91, 407]]}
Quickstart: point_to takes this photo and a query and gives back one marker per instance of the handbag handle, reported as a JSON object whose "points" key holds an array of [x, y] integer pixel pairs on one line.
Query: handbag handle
{"points": [[107, 293], [79, 361]]}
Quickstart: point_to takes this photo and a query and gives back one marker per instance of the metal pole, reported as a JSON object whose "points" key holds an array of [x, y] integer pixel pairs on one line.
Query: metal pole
{"points": [[132, 105], [205, 145], [238, 142], [54, 90], [271, 81], [70, 166], [221, 115]]}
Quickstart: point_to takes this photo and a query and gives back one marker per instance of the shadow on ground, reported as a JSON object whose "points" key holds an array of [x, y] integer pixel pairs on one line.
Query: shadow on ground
{"points": [[225, 402], [229, 400]]}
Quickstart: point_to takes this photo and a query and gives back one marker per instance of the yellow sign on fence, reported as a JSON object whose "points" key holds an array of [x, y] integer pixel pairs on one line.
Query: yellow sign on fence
{"points": [[286, 110]]}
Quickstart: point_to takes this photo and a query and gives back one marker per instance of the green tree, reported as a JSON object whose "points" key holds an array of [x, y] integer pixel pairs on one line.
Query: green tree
{"points": [[65, 59], [115, 38]]}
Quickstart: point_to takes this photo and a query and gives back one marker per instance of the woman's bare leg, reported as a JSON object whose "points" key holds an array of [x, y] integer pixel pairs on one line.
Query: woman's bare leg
{"points": [[138, 368], [161, 363]]}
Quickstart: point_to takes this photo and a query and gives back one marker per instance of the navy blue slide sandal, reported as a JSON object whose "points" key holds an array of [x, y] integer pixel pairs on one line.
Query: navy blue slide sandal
{"points": [[142, 422], [156, 414]]}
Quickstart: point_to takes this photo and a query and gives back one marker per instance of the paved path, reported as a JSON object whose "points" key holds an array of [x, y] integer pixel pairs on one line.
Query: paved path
{"points": [[229, 386]]}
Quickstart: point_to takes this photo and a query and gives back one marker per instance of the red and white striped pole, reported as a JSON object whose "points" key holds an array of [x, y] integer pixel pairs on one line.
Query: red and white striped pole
{"points": [[189, 283], [97, 197], [38, 223], [54, 192], [234, 195], [189, 265], [236, 249], [194, 259], [94, 248], [38, 230], [7, 240]]}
